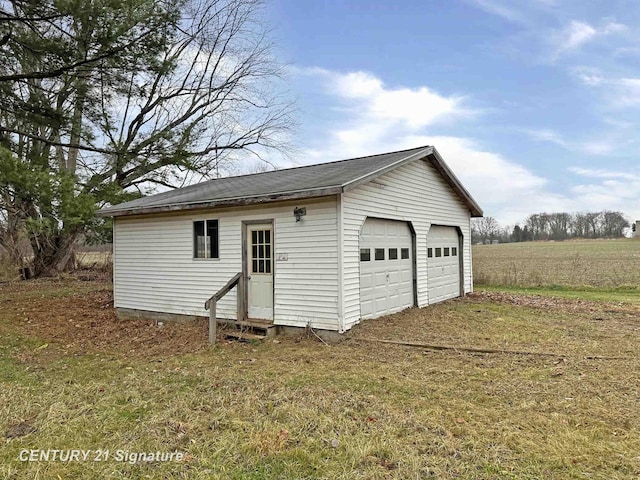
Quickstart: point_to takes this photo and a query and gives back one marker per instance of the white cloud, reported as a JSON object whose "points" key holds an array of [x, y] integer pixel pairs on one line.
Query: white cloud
{"points": [[577, 33], [600, 146], [500, 9], [619, 93], [607, 190], [376, 118], [628, 92], [589, 76], [546, 135], [357, 84], [413, 108], [605, 174]]}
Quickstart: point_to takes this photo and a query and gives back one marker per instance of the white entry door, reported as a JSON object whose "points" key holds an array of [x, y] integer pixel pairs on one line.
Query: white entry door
{"points": [[260, 271], [386, 267], [443, 263]]}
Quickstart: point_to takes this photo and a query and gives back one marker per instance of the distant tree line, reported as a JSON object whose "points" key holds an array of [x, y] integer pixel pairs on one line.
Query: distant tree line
{"points": [[551, 226]]}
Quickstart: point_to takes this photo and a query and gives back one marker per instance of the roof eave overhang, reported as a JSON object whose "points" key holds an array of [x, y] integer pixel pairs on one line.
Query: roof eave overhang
{"points": [[228, 202]]}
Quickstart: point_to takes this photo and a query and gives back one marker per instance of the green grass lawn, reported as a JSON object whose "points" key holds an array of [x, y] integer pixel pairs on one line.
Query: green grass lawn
{"points": [[74, 377]]}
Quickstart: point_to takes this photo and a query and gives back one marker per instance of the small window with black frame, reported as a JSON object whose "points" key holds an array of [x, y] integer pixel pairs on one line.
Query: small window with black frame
{"points": [[205, 239]]}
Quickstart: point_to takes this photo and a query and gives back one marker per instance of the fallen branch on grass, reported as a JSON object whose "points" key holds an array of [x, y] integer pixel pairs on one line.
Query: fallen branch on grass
{"points": [[318, 336], [482, 350]]}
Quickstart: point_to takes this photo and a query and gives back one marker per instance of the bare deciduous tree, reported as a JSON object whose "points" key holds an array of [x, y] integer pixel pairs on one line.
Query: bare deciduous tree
{"points": [[102, 98], [484, 229]]}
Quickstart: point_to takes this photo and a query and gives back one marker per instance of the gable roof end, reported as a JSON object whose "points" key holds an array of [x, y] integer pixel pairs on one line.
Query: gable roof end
{"points": [[292, 183]]}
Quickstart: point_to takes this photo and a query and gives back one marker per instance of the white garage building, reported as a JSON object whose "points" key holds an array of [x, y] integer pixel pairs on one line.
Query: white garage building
{"points": [[323, 245]]}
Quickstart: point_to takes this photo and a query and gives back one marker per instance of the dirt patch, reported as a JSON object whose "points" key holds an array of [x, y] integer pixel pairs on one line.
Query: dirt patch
{"points": [[85, 322], [546, 302], [20, 429]]}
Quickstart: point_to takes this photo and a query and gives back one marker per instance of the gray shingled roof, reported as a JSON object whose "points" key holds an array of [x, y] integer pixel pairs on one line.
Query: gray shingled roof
{"points": [[300, 182]]}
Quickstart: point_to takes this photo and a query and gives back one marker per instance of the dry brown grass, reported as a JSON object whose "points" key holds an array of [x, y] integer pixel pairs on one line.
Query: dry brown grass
{"points": [[300, 409], [597, 263]]}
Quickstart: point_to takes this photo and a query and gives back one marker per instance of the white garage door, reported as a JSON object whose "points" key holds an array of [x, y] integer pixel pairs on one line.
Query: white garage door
{"points": [[443, 263], [386, 267]]}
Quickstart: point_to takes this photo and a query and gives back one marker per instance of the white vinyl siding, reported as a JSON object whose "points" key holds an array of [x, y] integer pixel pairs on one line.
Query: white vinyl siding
{"points": [[414, 193], [155, 271]]}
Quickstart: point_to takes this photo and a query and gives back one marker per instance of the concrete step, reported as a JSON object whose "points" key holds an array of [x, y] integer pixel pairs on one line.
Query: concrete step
{"points": [[265, 328], [239, 335]]}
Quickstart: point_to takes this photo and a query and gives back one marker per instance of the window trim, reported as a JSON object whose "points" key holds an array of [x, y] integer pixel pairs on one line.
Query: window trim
{"points": [[193, 239]]}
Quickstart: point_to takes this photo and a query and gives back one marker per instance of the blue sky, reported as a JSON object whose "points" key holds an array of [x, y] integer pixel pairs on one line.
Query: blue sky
{"points": [[534, 104]]}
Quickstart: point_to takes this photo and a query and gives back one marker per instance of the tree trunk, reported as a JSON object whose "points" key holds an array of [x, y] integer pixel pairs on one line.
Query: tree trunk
{"points": [[53, 254]]}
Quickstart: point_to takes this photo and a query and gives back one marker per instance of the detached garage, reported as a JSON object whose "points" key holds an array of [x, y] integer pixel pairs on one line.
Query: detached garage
{"points": [[323, 245]]}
